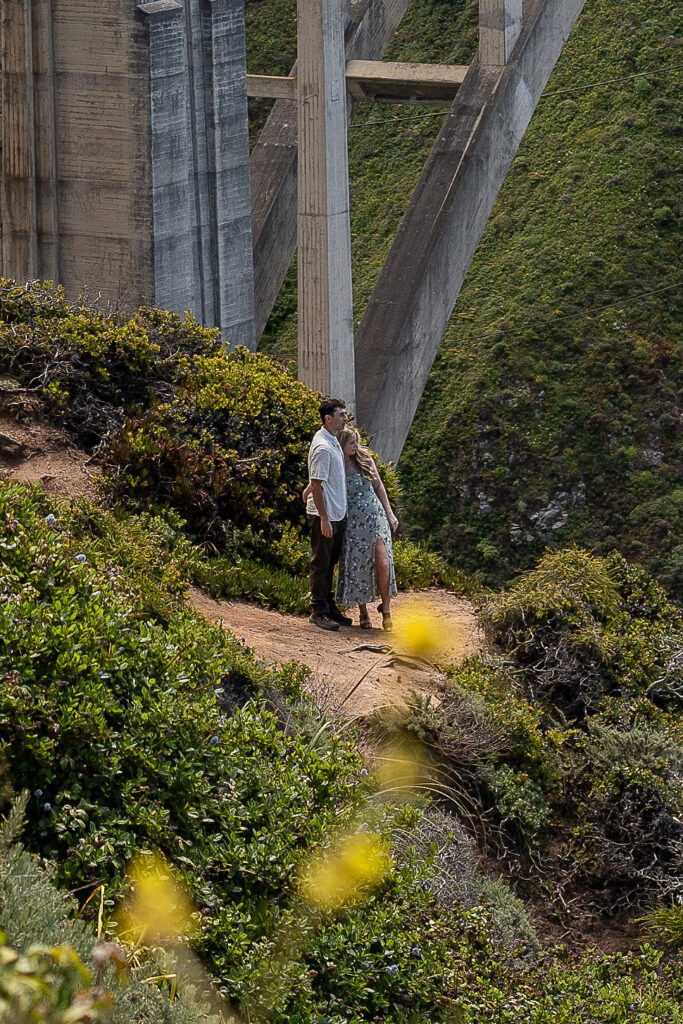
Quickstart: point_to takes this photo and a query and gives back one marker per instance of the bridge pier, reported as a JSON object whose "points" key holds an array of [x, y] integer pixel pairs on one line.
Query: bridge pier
{"points": [[325, 303], [416, 290], [274, 159], [200, 163]]}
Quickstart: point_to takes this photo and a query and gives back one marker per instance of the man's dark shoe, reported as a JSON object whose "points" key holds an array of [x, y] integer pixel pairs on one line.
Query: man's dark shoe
{"points": [[324, 621], [339, 617]]}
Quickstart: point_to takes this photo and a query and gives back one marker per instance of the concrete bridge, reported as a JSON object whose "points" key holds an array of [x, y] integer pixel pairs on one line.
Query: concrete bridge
{"points": [[126, 173]]}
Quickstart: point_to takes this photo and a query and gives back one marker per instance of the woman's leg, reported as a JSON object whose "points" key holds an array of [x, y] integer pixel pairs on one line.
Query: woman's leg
{"points": [[364, 617], [383, 570]]}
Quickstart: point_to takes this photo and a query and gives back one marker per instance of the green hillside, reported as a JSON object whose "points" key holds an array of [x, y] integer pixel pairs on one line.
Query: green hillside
{"points": [[551, 411], [550, 414]]}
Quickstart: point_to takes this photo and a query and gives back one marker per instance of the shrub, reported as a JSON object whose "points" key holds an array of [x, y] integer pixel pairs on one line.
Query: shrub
{"points": [[230, 447], [630, 836], [88, 367], [581, 627], [57, 971]]}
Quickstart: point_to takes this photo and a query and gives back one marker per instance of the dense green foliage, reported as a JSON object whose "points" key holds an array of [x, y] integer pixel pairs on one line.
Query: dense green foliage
{"points": [[53, 970], [132, 736], [214, 443], [568, 748]]}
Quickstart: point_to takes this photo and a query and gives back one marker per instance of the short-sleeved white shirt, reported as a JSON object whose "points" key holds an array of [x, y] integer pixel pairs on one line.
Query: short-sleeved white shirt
{"points": [[326, 463]]}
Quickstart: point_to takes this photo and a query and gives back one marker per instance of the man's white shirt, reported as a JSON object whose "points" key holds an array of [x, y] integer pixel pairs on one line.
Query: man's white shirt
{"points": [[326, 463]]}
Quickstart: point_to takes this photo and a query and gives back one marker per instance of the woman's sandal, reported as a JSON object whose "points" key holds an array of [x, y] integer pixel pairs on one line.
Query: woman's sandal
{"points": [[365, 622], [387, 624]]}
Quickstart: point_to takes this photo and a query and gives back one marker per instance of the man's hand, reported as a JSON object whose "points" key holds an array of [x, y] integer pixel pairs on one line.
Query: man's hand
{"points": [[326, 527]]}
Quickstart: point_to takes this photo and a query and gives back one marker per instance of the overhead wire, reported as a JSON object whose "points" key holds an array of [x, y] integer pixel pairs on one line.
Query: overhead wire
{"points": [[580, 313]]}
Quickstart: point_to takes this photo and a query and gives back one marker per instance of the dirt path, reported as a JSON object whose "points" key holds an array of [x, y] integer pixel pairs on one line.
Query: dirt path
{"points": [[39, 454], [336, 662]]}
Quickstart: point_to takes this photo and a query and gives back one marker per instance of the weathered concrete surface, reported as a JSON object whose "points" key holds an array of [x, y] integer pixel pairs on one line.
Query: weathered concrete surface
{"points": [[417, 288], [500, 23], [274, 159], [125, 160], [325, 300], [200, 164], [229, 129], [75, 146]]}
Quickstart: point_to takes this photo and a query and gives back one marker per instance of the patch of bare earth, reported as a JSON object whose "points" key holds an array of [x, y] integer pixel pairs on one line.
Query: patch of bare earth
{"points": [[36, 453], [338, 660]]}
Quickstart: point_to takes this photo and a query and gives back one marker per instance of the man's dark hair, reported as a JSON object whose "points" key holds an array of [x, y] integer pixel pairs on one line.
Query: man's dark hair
{"points": [[328, 406]]}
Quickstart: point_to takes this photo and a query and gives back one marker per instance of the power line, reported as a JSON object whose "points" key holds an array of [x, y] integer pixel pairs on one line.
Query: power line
{"points": [[583, 312], [360, 126], [612, 81]]}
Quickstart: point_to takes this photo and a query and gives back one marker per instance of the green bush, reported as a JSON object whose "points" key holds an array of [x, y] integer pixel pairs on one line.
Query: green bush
{"points": [[564, 751], [54, 970], [581, 627], [630, 837], [89, 368], [230, 447]]}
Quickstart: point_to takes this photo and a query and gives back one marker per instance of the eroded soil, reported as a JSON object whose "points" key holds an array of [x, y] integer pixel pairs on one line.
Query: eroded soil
{"points": [[40, 454], [339, 660]]}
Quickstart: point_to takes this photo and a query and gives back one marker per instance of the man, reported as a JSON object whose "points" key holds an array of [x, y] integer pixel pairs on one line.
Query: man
{"points": [[326, 512]]}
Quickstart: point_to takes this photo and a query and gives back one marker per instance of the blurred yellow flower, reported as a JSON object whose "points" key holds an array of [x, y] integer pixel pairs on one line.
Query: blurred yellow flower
{"points": [[159, 907], [401, 765], [419, 632], [359, 862]]}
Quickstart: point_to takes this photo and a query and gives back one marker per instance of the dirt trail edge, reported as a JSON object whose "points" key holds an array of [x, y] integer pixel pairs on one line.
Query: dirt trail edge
{"points": [[334, 658]]}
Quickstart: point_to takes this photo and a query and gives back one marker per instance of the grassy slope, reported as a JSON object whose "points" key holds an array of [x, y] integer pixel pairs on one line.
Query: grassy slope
{"points": [[518, 413], [520, 418]]}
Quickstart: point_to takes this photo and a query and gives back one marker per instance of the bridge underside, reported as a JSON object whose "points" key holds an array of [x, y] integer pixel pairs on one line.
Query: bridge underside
{"points": [[126, 173]]}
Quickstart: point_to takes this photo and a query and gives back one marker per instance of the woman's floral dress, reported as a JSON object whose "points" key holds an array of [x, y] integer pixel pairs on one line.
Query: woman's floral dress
{"points": [[365, 521]]}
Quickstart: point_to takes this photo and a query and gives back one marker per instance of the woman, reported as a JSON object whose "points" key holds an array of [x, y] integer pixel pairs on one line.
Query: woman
{"points": [[366, 566]]}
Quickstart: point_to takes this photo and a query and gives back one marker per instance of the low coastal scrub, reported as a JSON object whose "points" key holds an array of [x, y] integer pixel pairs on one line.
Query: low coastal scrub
{"points": [[135, 736], [199, 445], [565, 749]]}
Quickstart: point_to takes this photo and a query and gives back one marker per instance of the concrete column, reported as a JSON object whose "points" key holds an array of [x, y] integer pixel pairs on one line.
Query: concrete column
{"points": [[176, 253], [274, 159], [47, 174], [500, 23], [19, 214], [229, 131], [326, 357]]}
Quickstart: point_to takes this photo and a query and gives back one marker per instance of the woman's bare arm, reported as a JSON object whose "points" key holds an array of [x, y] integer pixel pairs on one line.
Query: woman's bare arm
{"points": [[381, 493]]}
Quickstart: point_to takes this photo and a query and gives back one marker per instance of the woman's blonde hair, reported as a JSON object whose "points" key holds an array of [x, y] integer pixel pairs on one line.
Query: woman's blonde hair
{"points": [[363, 458]]}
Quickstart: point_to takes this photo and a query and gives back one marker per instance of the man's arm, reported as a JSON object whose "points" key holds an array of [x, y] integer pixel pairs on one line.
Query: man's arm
{"points": [[319, 502]]}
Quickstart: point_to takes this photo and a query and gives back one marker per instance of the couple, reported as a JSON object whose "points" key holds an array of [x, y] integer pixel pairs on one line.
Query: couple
{"points": [[351, 523]]}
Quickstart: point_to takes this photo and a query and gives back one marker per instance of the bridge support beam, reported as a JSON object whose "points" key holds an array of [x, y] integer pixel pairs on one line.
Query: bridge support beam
{"points": [[325, 300], [274, 159], [417, 288], [500, 23], [200, 163]]}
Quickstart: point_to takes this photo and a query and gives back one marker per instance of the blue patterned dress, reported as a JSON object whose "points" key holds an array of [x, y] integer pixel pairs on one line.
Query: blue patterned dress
{"points": [[366, 520]]}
